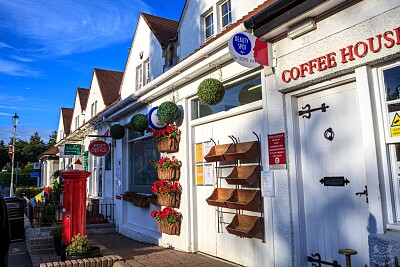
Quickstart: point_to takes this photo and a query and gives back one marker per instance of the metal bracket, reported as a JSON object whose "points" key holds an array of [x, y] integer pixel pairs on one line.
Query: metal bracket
{"points": [[319, 261], [307, 113]]}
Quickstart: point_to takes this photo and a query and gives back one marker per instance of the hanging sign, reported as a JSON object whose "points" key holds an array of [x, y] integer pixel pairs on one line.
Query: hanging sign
{"points": [[99, 148], [249, 51], [277, 151], [72, 149], [154, 121]]}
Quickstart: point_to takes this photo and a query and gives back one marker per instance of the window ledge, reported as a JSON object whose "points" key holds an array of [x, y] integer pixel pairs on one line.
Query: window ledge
{"points": [[393, 227]]}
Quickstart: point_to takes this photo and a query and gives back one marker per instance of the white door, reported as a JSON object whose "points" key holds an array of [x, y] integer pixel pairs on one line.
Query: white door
{"points": [[334, 216]]}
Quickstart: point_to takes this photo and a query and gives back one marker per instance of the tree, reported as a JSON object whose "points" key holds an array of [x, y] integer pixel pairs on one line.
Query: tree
{"points": [[32, 151], [4, 157], [52, 140]]}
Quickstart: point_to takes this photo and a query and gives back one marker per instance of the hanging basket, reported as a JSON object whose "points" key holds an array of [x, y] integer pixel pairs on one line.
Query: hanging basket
{"points": [[169, 144], [141, 201], [173, 201], [172, 174], [170, 228]]}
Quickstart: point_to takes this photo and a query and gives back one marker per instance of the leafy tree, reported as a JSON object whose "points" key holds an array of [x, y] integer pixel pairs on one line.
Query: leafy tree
{"points": [[34, 148], [52, 139], [4, 158]]}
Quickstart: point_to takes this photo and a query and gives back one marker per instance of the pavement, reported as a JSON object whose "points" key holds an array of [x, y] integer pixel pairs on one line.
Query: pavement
{"points": [[135, 254]]}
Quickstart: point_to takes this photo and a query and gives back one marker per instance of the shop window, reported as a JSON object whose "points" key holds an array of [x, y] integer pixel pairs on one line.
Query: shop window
{"points": [[226, 14], [241, 93], [143, 152], [391, 95]]}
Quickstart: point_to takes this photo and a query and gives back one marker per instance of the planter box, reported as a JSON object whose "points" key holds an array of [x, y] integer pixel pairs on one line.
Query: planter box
{"points": [[244, 175], [219, 196], [172, 174], [170, 228], [242, 151], [216, 153], [244, 199], [173, 201], [141, 201], [169, 144], [245, 226]]}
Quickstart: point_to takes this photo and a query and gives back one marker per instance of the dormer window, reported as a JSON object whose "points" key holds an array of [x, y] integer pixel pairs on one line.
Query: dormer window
{"points": [[209, 25], [226, 13]]}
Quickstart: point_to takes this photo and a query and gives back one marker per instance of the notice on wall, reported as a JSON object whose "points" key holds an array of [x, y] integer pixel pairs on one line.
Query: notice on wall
{"points": [[277, 151], [118, 178], [208, 174], [207, 147], [394, 120], [199, 175], [267, 184], [199, 152]]}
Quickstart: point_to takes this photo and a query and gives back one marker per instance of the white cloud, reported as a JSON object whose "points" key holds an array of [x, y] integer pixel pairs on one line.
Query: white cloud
{"points": [[4, 45], [13, 68], [66, 27]]}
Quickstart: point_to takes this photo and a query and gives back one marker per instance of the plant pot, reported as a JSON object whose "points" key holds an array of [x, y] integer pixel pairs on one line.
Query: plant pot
{"points": [[173, 201], [57, 244], [93, 252], [169, 228], [169, 144], [172, 174]]}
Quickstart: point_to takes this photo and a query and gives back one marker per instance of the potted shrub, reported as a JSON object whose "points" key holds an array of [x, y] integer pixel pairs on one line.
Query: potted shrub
{"points": [[168, 220], [168, 168], [56, 233], [168, 112], [139, 122], [117, 131], [211, 91], [167, 138], [168, 193], [80, 248]]}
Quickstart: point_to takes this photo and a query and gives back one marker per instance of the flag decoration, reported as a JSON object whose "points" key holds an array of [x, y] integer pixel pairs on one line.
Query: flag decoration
{"points": [[32, 200], [39, 197], [47, 190]]}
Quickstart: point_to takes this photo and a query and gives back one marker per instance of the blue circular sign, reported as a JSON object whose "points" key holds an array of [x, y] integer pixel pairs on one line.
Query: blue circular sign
{"points": [[154, 121], [242, 44]]}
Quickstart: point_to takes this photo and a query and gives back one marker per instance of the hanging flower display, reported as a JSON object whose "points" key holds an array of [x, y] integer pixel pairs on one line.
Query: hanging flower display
{"points": [[117, 131], [211, 91], [168, 168], [167, 138], [139, 122], [168, 220], [168, 193], [168, 112]]}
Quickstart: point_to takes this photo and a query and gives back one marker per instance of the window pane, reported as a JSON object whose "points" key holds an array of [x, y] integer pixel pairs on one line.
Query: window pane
{"points": [[226, 13], [209, 26], [143, 153], [241, 94], [392, 83]]}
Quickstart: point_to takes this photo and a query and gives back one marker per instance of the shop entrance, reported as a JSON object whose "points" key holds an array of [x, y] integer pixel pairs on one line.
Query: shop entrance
{"points": [[332, 176]]}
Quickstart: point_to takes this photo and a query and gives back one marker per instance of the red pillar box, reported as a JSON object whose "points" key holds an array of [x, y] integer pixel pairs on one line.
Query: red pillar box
{"points": [[74, 204]]}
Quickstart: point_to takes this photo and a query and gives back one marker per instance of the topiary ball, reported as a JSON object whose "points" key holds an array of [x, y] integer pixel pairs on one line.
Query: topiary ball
{"points": [[117, 131], [168, 112], [211, 91], [139, 122]]}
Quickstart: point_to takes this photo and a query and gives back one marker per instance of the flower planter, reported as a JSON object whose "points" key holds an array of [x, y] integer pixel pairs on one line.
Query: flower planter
{"points": [[172, 200], [244, 199], [244, 175], [154, 200], [141, 201], [170, 228], [216, 153], [245, 226], [242, 151], [219, 196], [169, 144], [172, 174], [93, 252]]}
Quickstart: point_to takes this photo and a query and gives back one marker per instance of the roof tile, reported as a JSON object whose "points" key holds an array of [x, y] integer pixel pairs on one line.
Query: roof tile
{"points": [[109, 83], [83, 94], [67, 114], [163, 29]]}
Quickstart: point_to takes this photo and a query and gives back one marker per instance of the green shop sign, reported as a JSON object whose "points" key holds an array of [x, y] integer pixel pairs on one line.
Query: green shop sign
{"points": [[72, 149]]}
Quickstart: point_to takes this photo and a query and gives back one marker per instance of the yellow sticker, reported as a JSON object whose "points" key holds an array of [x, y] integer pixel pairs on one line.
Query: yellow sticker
{"points": [[395, 131], [396, 120]]}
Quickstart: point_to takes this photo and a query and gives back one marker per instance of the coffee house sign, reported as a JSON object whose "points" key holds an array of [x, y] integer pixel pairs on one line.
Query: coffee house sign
{"points": [[330, 60]]}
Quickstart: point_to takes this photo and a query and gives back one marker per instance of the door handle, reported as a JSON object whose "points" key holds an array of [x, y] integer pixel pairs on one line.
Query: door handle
{"points": [[365, 192]]}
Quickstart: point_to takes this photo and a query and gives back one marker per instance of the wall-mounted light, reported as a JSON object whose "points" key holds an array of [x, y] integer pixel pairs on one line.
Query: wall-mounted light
{"points": [[302, 28], [141, 55]]}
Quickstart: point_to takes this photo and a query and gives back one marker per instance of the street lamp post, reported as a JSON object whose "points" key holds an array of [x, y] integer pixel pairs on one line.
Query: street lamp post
{"points": [[15, 123]]}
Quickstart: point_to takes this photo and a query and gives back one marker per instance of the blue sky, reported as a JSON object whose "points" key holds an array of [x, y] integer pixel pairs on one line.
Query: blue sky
{"points": [[49, 48]]}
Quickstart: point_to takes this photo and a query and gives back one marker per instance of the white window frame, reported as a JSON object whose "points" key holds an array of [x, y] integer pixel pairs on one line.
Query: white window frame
{"points": [[209, 14], [223, 15], [146, 71], [76, 122], [139, 77], [93, 110]]}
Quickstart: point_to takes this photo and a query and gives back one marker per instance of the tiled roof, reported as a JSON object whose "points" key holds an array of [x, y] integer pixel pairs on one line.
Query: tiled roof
{"points": [[51, 151], [109, 83], [235, 24], [162, 28], [67, 114], [83, 94]]}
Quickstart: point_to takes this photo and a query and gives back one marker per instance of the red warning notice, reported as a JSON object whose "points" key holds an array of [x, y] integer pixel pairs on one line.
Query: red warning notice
{"points": [[277, 151]]}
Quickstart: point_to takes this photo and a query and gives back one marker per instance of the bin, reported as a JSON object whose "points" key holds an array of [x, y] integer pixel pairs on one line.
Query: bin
{"points": [[15, 210]]}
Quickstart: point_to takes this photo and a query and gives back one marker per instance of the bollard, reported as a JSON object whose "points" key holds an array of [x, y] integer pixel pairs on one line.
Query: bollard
{"points": [[348, 252]]}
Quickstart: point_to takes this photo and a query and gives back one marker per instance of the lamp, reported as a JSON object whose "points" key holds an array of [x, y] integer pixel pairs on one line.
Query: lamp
{"points": [[302, 28], [15, 123]]}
